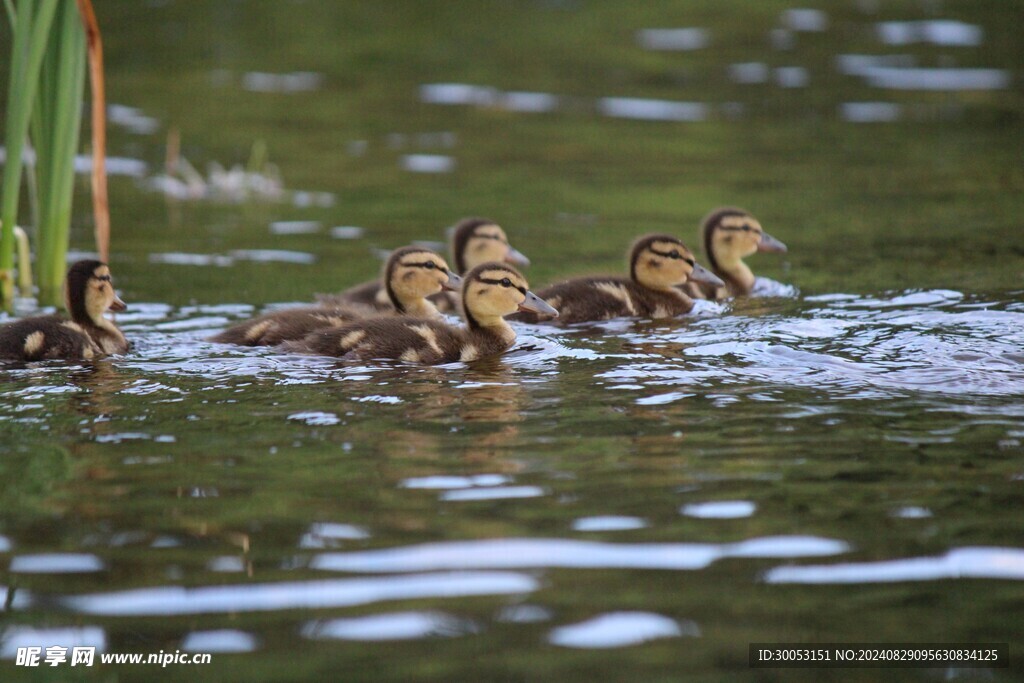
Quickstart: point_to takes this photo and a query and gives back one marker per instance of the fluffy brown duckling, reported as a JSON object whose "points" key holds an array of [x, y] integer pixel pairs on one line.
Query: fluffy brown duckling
{"points": [[410, 275], [88, 294], [658, 266], [489, 292], [729, 236], [473, 241]]}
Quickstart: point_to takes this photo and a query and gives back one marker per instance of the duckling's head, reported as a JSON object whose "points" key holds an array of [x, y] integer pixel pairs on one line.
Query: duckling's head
{"points": [[493, 290], [663, 262], [731, 234], [412, 273], [89, 292], [480, 240]]}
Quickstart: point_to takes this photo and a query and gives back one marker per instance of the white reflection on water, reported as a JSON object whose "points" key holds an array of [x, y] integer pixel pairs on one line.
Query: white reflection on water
{"points": [[56, 563], [620, 629], [393, 626], [14, 637], [221, 640], [719, 509], [172, 600], [959, 563], [673, 38], [938, 32], [534, 553], [652, 110], [894, 78], [608, 523]]}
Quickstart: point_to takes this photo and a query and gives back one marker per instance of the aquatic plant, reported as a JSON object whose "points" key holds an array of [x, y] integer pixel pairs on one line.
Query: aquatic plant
{"points": [[45, 89]]}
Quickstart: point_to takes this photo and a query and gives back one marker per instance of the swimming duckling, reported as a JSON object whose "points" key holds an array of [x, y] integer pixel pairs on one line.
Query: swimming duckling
{"points": [[474, 241], [730, 235], [410, 275], [658, 265], [489, 292], [88, 294]]}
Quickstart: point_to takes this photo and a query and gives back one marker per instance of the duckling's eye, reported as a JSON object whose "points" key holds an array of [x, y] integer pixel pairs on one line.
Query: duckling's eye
{"points": [[505, 282], [103, 278], [430, 265], [747, 228], [674, 254]]}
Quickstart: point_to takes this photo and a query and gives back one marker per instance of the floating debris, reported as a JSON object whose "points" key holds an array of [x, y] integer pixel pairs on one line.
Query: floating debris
{"points": [[652, 110], [298, 81], [428, 163], [938, 32], [673, 38]]}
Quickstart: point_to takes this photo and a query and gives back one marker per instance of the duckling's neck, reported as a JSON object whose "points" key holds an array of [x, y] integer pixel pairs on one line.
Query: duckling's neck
{"points": [[735, 272], [493, 326], [420, 308]]}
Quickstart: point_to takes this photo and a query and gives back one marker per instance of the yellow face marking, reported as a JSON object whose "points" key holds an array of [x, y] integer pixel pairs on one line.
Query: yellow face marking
{"points": [[737, 237], [416, 276], [34, 343], [663, 265], [257, 330], [352, 338], [619, 292], [488, 243]]}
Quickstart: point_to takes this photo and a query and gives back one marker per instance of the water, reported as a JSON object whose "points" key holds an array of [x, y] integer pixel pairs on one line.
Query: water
{"points": [[838, 458]]}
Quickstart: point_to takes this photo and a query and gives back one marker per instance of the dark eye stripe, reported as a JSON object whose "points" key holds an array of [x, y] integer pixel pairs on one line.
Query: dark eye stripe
{"points": [[739, 228], [426, 264], [103, 278], [499, 282], [490, 237], [672, 255]]}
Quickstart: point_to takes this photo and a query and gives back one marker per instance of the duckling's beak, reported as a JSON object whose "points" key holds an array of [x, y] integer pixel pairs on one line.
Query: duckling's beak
{"points": [[516, 257], [117, 305], [535, 304], [769, 243], [702, 274], [454, 282]]}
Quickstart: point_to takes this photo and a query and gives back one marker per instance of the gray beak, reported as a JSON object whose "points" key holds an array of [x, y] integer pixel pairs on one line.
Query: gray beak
{"points": [[702, 274], [454, 282], [535, 304], [117, 305], [516, 257], [769, 243]]}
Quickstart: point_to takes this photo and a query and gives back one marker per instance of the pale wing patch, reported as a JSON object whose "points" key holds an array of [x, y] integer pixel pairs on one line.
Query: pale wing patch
{"points": [[382, 298], [619, 292], [469, 353], [332, 320], [88, 353], [350, 340], [34, 343], [410, 356], [661, 312], [258, 330], [429, 336], [73, 326], [555, 302]]}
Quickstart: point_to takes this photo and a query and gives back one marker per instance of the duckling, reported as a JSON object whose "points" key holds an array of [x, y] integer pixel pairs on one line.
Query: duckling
{"points": [[410, 275], [730, 235], [474, 241], [658, 265], [88, 294], [489, 292]]}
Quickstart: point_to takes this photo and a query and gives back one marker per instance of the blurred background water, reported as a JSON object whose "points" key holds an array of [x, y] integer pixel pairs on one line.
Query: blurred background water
{"points": [[838, 459]]}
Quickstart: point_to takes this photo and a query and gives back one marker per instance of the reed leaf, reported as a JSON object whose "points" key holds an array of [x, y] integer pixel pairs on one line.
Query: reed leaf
{"points": [[31, 35]]}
